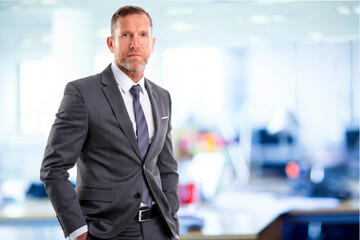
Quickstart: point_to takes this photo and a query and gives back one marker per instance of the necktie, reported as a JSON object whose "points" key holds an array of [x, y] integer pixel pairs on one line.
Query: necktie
{"points": [[142, 136]]}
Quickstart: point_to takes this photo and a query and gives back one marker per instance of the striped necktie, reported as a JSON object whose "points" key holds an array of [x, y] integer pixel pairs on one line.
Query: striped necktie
{"points": [[142, 136]]}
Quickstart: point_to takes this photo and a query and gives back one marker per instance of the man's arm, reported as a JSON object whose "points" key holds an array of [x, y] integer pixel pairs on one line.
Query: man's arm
{"points": [[65, 142], [168, 168]]}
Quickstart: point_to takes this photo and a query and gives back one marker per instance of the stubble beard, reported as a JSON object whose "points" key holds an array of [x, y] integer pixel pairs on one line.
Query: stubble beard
{"points": [[132, 67]]}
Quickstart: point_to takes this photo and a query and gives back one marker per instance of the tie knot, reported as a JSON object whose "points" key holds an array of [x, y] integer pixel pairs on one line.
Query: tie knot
{"points": [[135, 90]]}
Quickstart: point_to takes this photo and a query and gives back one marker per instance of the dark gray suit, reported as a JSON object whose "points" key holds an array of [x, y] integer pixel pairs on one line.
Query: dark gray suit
{"points": [[93, 130]]}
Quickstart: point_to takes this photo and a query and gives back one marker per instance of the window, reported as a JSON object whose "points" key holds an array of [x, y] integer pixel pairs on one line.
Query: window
{"points": [[37, 96]]}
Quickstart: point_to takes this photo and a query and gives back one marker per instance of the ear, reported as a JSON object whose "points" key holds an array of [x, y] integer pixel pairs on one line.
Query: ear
{"points": [[110, 43], [152, 44]]}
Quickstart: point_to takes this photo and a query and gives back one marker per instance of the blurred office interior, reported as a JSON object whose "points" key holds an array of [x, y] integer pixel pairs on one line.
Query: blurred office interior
{"points": [[265, 109]]}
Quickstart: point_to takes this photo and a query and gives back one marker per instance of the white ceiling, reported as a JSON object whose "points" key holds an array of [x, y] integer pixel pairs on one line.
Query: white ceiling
{"points": [[27, 24]]}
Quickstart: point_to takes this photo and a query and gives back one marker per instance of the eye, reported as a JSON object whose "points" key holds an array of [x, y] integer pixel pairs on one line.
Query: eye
{"points": [[144, 34], [125, 35]]}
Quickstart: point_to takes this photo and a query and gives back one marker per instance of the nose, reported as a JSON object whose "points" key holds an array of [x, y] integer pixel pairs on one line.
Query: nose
{"points": [[134, 42]]}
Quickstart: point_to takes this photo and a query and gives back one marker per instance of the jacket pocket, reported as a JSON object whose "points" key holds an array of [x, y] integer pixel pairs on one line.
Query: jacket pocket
{"points": [[96, 194]]}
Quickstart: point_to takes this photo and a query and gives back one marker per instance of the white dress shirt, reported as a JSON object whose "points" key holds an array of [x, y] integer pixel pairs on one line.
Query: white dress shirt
{"points": [[125, 83], [78, 232]]}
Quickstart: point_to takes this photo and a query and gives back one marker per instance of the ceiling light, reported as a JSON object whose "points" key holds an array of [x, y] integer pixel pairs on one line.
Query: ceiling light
{"points": [[343, 10], [28, 2], [26, 43], [184, 27], [316, 36], [260, 19], [46, 38]]}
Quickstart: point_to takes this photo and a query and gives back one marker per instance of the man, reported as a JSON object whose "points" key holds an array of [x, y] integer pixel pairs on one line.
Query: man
{"points": [[116, 127]]}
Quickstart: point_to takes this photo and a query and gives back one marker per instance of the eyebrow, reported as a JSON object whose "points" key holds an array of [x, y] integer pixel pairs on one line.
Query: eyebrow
{"points": [[143, 31]]}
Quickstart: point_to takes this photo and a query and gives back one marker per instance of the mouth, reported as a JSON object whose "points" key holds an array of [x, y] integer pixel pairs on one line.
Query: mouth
{"points": [[134, 55]]}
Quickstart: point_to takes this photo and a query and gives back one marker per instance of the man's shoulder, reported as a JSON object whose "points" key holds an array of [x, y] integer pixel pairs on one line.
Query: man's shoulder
{"points": [[91, 81], [87, 80], [156, 88]]}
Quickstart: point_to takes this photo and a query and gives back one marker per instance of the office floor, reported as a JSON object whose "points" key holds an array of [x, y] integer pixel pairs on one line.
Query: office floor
{"points": [[31, 233]]}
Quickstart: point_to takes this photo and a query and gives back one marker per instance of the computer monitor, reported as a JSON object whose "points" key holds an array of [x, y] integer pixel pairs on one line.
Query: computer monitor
{"points": [[352, 139]]}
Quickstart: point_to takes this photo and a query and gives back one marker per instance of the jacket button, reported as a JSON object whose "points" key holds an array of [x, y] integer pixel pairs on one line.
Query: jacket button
{"points": [[137, 195]]}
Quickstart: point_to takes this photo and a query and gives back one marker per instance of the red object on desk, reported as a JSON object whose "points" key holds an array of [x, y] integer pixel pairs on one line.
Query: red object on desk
{"points": [[188, 193]]}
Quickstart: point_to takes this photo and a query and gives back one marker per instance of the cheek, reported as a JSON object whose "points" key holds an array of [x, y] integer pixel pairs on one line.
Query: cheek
{"points": [[149, 48], [120, 50], [121, 46]]}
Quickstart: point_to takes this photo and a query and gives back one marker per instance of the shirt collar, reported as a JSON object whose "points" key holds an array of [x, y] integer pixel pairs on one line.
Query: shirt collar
{"points": [[123, 80]]}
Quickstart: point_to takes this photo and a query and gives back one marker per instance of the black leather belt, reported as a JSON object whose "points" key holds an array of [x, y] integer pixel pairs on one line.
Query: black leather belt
{"points": [[146, 214]]}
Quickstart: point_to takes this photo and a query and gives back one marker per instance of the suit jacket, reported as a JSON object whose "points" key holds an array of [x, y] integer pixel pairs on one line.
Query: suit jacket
{"points": [[93, 129]]}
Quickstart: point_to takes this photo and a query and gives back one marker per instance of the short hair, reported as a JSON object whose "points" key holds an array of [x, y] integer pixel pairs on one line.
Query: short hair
{"points": [[128, 10]]}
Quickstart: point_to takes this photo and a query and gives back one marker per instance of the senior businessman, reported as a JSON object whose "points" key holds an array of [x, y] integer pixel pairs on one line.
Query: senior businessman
{"points": [[115, 126]]}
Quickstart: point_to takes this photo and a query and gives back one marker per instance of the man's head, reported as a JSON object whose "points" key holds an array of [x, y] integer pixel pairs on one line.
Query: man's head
{"points": [[131, 40], [128, 10]]}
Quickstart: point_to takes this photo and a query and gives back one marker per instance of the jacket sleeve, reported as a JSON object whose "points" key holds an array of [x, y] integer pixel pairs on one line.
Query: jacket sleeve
{"points": [[65, 142], [169, 173]]}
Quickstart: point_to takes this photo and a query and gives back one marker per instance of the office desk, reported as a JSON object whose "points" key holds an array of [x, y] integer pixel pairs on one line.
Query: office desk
{"points": [[31, 220], [232, 216], [252, 215], [335, 223]]}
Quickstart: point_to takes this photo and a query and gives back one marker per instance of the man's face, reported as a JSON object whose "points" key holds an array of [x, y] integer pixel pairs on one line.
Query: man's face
{"points": [[132, 42]]}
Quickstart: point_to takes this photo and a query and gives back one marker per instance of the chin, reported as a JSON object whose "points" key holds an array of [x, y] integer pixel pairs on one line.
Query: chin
{"points": [[136, 68]]}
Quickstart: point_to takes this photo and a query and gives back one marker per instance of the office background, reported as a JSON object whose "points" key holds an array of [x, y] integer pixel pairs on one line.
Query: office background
{"points": [[260, 89]]}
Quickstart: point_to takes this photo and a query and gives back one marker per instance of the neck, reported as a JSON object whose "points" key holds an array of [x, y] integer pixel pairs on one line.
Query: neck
{"points": [[135, 76]]}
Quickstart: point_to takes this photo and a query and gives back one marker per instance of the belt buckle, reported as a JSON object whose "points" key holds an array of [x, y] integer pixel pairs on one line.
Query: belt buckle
{"points": [[141, 213]]}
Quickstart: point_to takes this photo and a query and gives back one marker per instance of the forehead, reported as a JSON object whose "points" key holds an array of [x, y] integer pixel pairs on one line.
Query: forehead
{"points": [[132, 22]]}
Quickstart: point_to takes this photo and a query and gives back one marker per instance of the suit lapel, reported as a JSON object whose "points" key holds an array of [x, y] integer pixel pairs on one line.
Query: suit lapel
{"points": [[154, 100], [113, 95]]}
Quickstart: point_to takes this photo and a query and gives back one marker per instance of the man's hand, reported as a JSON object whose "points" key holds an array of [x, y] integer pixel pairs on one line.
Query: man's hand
{"points": [[82, 236]]}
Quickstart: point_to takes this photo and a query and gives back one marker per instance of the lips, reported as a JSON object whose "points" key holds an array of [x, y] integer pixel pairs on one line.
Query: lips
{"points": [[134, 55]]}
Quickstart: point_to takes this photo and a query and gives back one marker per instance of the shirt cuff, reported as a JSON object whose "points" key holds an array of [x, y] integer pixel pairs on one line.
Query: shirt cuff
{"points": [[78, 232]]}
